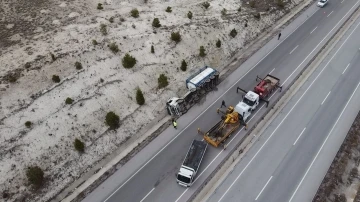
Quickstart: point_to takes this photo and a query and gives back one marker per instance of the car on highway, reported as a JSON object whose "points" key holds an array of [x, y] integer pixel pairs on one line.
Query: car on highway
{"points": [[322, 3]]}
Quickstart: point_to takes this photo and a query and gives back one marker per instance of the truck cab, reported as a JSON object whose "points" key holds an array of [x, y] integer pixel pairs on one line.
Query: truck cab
{"points": [[252, 100], [244, 110], [185, 176]]}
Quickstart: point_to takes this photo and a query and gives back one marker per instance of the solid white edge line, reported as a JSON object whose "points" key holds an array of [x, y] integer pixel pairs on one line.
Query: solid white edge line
{"points": [[263, 189], [299, 136], [325, 98], [346, 68], [317, 154], [293, 49], [287, 113], [330, 13], [313, 30], [205, 110], [147, 194]]}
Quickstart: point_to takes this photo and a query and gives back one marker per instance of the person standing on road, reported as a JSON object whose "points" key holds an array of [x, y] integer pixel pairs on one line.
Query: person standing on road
{"points": [[174, 123], [279, 35], [223, 104]]}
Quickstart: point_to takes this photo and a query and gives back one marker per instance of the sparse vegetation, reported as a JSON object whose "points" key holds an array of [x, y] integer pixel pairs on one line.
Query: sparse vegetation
{"points": [[202, 51], [206, 5], [168, 9], [69, 101], [111, 19], [252, 3], [122, 19], [175, 36], [134, 13], [233, 33], [78, 65], [112, 120], [152, 49], [103, 29], [94, 42], [223, 12], [52, 57], [12, 78], [183, 66], [162, 81], [35, 176], [280, 3], [156, 23], [79, 146], [239, 9], [114, 48], [99, 6], [257, 16], [27, 65], [190, 15], [28, 124], [128, 61], [140, 97], [56, 78], [218, 43]]}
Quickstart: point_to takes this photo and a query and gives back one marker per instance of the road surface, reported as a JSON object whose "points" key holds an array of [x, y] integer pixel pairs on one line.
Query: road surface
{"points": [[292, 156], [150, 175]]}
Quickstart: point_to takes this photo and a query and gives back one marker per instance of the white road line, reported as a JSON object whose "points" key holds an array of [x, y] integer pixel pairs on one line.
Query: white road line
{"points": [[317, 154], [313, 30], [293, 49], [247, 165], [320, 42], [325, 98], [205, 110], [342, 1], [272, 71], [346, 68], [299, 136], [330, 13], [147, 195], [263, 189]]}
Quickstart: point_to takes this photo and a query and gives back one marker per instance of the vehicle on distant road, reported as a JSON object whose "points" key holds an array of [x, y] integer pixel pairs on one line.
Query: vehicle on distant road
{"points": [[322, 3]]}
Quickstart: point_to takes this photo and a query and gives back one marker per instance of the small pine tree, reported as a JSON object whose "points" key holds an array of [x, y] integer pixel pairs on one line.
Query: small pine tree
{"points": [[28, 124], [175, 36], [202, 51], [223, 12], [156, 23], [140, 97], [35, 175], [206, 5], [183, 66], [162, 81], [103, 29], [134, 13], [233, 33], [114, 48], [56, 78], [99, 6], [218, 43], [94, 42], [190, 15], [152, 49], [112, 120], [168, 9], [128, 61], [69, 101], [79, 146], [78, 65], [111, 19]]}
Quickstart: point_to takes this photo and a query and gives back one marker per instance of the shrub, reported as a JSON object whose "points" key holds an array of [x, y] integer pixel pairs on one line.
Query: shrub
{"points": [[140, 97], [156, 22], [78, 65], [162, 81], [56, 78], [134, 13], [111, 19], [79, 146], [239, 9], [233, 33], [94, 42], [113, 47], [223, 11], [218, 43], [128, 61], [99, 6], [35, 176], [28, 124], [252, 3], [27, 65], [206, 5], [69, 101], [168, 9], [11, 78], [122, 19], [189, 15], [53, 57], [202, 51], [183, 66], [257, 16], [280, 3], [112, 120], [175, 36], [103, 29], [152, 49]]}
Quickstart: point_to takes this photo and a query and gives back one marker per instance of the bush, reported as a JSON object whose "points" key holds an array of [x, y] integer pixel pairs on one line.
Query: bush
{"points": [[280, 3], [134, 13], [99, 7], [189, 15], [94, 42], [156, 22], [206, 5], [257, 16], [223, 11], [162, 81], [112, 120], [69, 101], [122, 19], [168, 9], [78, 65], [53, 57], [218, 43], [28, 124], [56, 78], [27, 65], [35, 176], [152, 49], [175, 36], [233, 33], [103, 29], [202, 51], [12, 78], [140, 97], [239, 9], [111, 19], [79, 146], [113, 47], [128, 61], [252, 3], [183, 66]]}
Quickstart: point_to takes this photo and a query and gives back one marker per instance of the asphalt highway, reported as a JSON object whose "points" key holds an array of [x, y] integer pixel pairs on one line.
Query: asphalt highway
{"points": [[150, 175], [291, 158]]}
